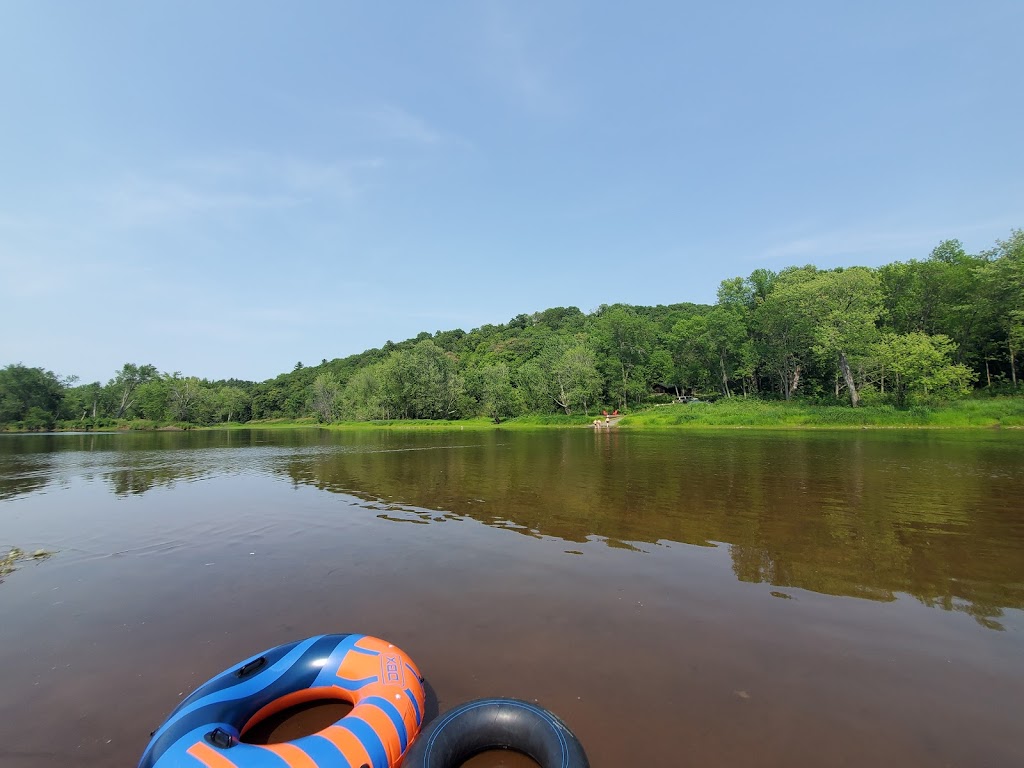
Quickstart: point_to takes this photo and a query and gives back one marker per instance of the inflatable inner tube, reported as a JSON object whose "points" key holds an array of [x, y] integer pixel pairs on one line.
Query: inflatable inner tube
{"points": [[484, 724], [379, 680]]}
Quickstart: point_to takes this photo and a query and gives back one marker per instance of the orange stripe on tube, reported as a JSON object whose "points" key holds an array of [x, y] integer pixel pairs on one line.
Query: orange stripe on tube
{"points": [[359, 666], [209, 756], [381, 724], [347, 743], [370, 643], [294, 756]]}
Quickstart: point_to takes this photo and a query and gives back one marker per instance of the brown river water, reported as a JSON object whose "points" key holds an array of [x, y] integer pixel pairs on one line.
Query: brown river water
{"points": [[733, 599]]}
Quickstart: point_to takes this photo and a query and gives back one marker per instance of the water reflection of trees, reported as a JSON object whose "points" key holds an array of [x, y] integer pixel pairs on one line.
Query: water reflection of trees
{"points": [[24, 471], [868, 517], [136, 480], [132, 463], [21, 477]]}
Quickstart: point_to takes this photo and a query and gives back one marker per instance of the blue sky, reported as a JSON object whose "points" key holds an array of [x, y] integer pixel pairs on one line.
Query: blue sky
{"points": [[224, 188]]}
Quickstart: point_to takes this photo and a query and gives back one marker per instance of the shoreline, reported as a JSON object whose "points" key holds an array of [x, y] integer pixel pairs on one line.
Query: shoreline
{"points": [[996, 413]]}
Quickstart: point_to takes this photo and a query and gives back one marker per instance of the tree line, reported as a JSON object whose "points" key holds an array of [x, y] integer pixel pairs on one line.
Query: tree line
{"points": [[908, 332]]}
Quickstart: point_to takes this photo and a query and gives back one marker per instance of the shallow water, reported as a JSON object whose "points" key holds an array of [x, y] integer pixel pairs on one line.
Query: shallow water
{"points": [[742, 599]]}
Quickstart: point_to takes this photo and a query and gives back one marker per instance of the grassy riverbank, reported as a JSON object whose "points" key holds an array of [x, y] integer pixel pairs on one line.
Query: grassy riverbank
{"points": [[734, 413], [747, 413]]}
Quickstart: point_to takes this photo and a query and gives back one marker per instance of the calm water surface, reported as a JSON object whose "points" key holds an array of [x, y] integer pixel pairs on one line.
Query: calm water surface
{"points": [[740, 599]]}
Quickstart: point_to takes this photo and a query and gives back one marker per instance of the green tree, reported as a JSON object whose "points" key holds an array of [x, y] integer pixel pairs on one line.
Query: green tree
{"points": [[661, 368], [532, 384], [844, 306], [187, 398], [125, 383], [784, 328], [423, 383], [625, 339], [576, 379], [37, 419], [87, 401], [363, 396], [718, 341], [1015, 342], [326, 397], [498, 397], [739, 298], [151, 400], [1001, 278], [917, 367], [231, 403], [695, 353], [33, 393]]}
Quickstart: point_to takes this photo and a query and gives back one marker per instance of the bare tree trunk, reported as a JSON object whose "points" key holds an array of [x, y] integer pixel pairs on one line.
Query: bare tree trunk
{"points": [[988, 374], [1013, 366], [844, 366], [126, 402], [562, 401], [725, 376], [790, 380]]}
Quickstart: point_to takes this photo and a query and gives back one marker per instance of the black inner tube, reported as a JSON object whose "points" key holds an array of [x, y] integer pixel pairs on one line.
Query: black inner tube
{"points": [[484, 724]]}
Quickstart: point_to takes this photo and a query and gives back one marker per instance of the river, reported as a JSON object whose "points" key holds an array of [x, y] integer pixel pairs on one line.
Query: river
{"points": [[678, 598]]}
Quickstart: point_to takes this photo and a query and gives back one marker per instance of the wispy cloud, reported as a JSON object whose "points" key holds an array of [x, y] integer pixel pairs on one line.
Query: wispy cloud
{"points": [[136, 200], [39, 263], [115, 227], [880, 242], [511, 59], [237, 183], [12, 224], [398, 123]]}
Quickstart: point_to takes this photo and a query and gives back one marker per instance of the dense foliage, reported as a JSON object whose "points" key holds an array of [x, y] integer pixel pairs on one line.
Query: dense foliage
{"points": [[908, 333]]}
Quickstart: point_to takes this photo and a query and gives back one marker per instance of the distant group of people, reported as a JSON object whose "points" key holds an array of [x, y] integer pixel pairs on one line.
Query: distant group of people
{"points": [[607, 421]]}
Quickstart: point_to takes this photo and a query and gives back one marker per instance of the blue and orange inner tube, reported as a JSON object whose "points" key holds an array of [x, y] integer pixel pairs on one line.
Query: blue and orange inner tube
{"points": [[381, 682]]}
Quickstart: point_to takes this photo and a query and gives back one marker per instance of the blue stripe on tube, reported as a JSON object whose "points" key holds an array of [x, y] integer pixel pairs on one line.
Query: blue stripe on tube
{"points": [[389, 709], [329, 673], [253, 685], [323, 752], [415, 706], [363, 731]]}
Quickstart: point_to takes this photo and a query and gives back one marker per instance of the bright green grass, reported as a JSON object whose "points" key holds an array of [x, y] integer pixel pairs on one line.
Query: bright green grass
{"points": [[739, 413], [734, 413]]}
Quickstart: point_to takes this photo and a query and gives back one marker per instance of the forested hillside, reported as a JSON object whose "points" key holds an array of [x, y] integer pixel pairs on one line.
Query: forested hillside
{"points": [[908, 332]]}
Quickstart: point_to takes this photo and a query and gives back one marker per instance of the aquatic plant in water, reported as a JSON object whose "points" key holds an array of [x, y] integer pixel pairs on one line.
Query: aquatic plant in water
{"points": [[9, 562]]}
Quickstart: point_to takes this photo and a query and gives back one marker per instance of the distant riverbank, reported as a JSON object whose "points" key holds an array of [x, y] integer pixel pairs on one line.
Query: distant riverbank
{"points": [[734, 413]]}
